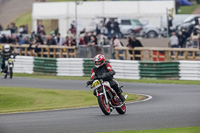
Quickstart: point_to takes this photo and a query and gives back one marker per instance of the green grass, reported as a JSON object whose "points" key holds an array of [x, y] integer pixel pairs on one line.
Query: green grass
{"points": [[19, 99], [24, 19], [160, 81], [188, 9], [169, 130]]}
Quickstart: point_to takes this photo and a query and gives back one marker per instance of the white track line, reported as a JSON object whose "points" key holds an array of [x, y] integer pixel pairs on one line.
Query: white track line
{"points": [[146, 99]]}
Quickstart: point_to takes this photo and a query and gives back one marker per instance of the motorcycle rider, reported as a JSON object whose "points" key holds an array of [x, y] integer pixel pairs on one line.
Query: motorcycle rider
{"points": [[5, 55], [104, 70]]}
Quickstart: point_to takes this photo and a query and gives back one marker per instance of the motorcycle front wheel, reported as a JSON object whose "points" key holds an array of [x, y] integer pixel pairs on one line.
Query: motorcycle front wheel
{"points": [[105, 108], [122, 110]]}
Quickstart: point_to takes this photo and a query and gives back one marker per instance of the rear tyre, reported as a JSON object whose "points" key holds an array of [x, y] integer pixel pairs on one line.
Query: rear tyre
{"points": [[105, 108], [11, 73], [122, 110]]}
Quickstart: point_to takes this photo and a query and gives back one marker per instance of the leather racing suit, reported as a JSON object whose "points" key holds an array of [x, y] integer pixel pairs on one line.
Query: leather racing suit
{"points": [[106, 72]]}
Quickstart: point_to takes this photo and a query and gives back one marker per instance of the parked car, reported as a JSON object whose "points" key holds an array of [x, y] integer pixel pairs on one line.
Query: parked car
{"points": [[135, 27]]}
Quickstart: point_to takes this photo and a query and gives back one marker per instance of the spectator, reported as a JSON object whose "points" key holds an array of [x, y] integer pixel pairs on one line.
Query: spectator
{"points": [[92, 35], [21, 29], [51, 40], [83, 31], [72, 41], [59, 40], [8, 27], [116, 29], [174, 40], [14, 39], [136, 43], [38, 41], [181, 39], [8, 39], [40, 27], [103, 40], [42, 32], [13, 28], [98, 30], [92, 41], [72, 30], [86, 38], [116, 43], [109, 28], [66, 43], [81, 40], [1, 27], [3, 39], [21, 40], [26, 40]]}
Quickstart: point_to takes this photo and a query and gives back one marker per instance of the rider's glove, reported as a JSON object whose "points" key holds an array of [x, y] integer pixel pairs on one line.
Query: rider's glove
{"points": [[89, 82]]}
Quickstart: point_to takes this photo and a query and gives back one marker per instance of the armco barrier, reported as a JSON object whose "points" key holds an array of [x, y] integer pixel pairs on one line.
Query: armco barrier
{"points": [[189, 70], [182, 70], [159, 70], [70, 67], [23, 64], [45, 65], [125, 69]]}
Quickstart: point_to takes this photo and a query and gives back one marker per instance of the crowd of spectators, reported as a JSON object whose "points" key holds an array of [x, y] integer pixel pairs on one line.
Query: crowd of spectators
{"points": [[86, 38]]}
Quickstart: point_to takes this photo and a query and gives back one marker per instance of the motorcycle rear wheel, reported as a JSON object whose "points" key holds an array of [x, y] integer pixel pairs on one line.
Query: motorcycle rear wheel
{"points": [[122, 110], [105, 108]]}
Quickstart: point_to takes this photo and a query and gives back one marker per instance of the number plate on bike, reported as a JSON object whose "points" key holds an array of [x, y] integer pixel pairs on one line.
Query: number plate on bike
{"points": [[95, 83], [10, 60]]}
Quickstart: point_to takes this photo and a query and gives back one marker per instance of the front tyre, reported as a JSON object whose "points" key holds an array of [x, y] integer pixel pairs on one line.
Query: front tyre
{"points": [[105, 108], [11, 73], [122, 110]]}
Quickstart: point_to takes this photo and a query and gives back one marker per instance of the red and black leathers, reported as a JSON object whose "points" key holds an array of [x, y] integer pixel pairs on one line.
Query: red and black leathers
{"points": [[106, 73]]}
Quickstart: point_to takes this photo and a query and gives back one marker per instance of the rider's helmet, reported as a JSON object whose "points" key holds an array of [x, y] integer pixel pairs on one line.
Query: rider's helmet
{"points": [[7, 47], [99, 60]]}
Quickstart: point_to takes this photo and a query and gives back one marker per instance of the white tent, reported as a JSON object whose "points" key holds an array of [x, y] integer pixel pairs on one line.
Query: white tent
{"points": [[65, 11]]}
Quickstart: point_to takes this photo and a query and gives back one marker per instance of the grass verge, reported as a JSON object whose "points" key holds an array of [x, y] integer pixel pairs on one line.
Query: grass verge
{"points": [[168, 130], [188, 9], [160, 81], [19, 99]]}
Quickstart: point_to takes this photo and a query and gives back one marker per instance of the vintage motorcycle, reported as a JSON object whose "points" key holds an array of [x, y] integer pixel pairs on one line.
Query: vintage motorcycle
{"points": [[107, 97], [8, 69]]}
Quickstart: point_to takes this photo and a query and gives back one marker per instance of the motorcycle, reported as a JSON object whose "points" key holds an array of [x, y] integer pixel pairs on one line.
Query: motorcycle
{"points": [[107, 97], [8, 69]]}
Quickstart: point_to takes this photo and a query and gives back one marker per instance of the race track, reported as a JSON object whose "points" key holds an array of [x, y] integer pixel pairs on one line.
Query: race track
{"points": [[171, 106]]}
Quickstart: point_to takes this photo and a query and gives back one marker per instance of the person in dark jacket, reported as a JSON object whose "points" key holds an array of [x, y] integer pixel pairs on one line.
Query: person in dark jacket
{"points": [[5, 55], [105, 71], [136, 43]]}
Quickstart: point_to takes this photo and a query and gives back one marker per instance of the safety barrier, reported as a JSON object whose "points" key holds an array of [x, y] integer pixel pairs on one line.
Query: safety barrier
{"points": [[189, 70], [70, 67], [159, 70], [182, 70], [45, 65], [125, 69], [23, 64]]}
